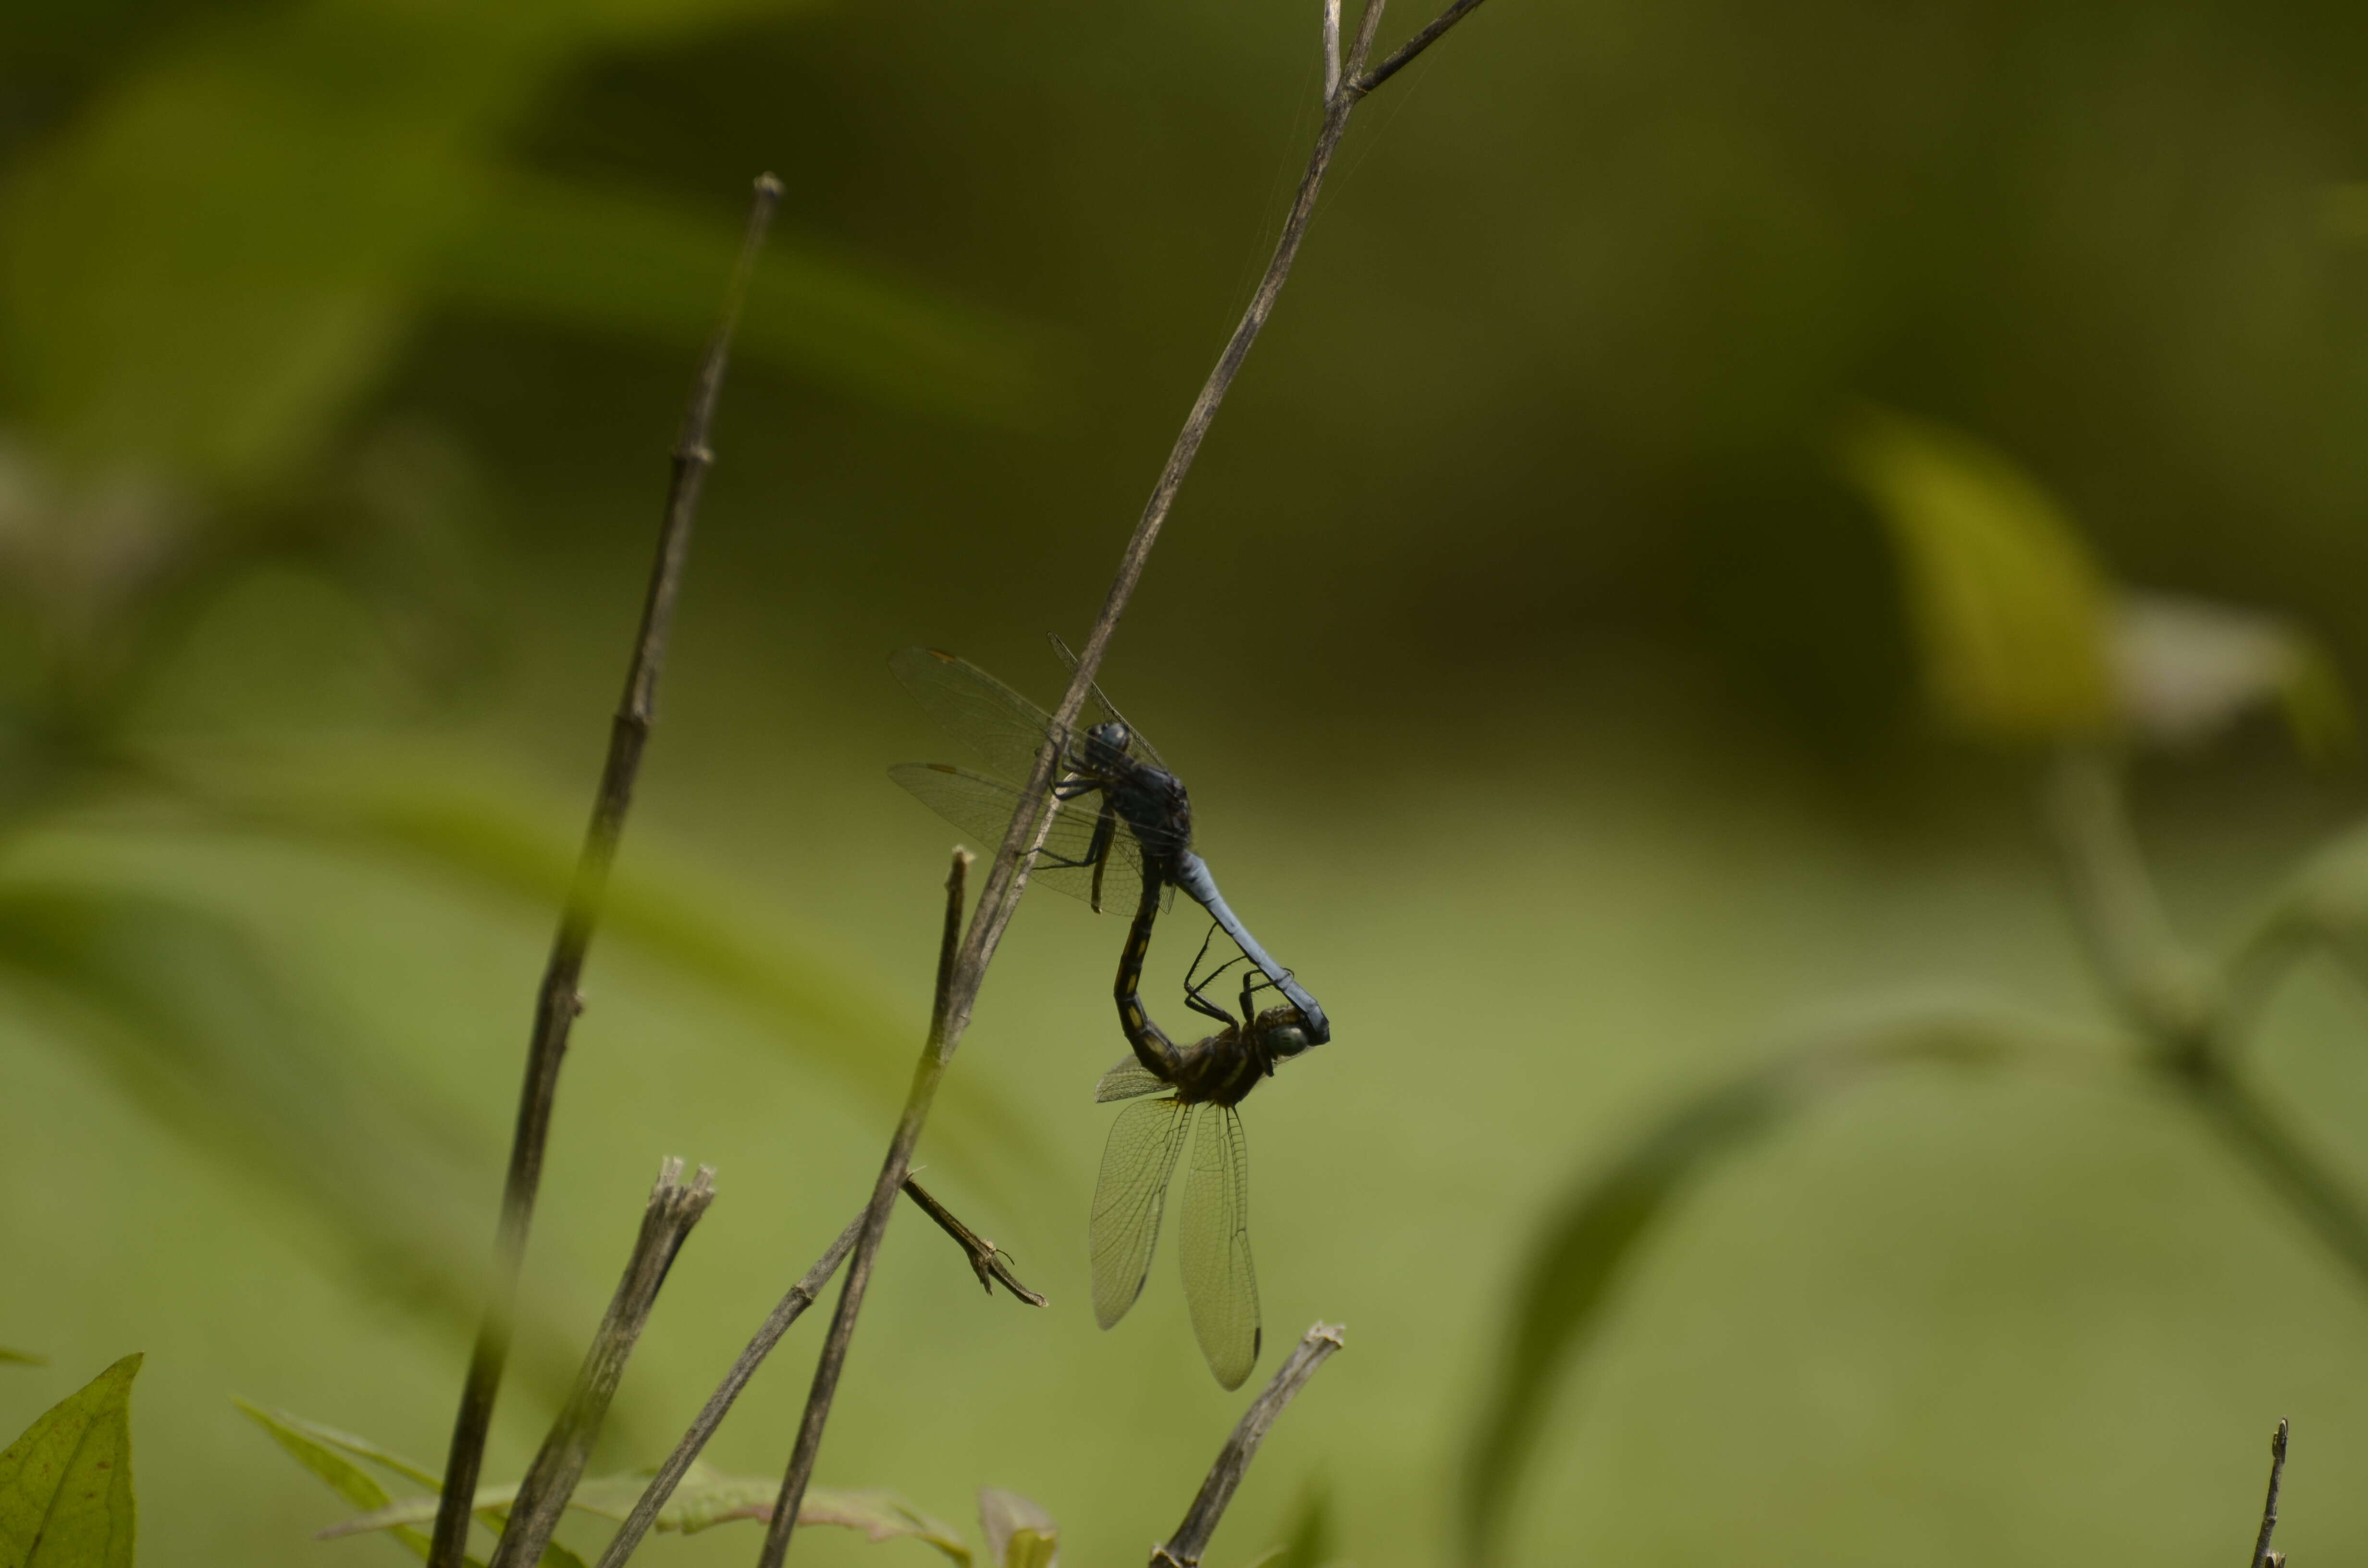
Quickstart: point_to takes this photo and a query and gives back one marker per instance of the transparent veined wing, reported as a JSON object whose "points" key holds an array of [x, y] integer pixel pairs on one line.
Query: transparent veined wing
{"points": [[1129, 1198], [1220, 1283], [1100, 709], [1003, 727], [982, 807], [1127, 1080]]}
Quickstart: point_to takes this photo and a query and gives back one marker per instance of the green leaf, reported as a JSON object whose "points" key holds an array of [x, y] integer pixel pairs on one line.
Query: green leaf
{"points": [[614, 261], [503, 840], [323, 1450], [175, 1002], [1592, 1240], [2009, 610], [704, 1498], [65, 1486], [21, 1358], [1020, 1533]]}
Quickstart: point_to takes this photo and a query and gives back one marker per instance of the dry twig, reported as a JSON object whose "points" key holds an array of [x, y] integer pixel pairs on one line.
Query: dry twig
{"points": [[557, 1001], [791, 1307], [2263, 1556], [1183, 1548], [961, 971], [674, 1208]]}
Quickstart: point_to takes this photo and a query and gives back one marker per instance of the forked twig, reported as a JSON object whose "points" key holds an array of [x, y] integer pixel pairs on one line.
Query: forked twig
{"points": [[674, 1208], [791, 1307], [961, 971], [2263, 1556], [1183, 1548], [557, 1001], [987, 1261]]}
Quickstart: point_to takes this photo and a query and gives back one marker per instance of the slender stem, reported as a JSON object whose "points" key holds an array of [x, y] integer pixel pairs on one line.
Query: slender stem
{"points": [[2263, 1556], [777, 1322], [963, 969], [2119, 912], [1008, 874], [791, 1307], [986, 1260], [2190, 1021], [893, 1172], [557, 1001], [1331, 50], [1183, 1548], [674, 1208], [1401, 56]]}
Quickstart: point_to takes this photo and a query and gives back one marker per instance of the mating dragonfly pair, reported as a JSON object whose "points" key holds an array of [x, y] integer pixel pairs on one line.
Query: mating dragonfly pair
{"points": [[1121, 827]]}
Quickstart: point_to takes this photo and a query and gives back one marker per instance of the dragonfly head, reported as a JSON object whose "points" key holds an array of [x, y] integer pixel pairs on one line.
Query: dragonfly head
{"points": [[1281, 1034], [1106, 743]]}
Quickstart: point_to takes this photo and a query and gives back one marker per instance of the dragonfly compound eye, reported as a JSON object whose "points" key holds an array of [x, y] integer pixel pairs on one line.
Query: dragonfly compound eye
{"points": [[1286, 1042]]}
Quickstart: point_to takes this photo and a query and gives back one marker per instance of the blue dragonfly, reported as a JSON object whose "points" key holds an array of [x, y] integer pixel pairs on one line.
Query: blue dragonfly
{"points": [[1122, 821]]}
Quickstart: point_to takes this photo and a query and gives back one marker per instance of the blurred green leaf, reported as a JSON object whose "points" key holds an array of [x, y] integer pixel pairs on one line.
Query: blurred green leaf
{"points": [[2008, 608], [1591, 1243], [21, 1358], [65, 1486], [700, 931], [314, 1448], [1020, 1533], [224, 251], [323, 1450], [1311, 1543], [704, 1498], [614, 261], [175, 1002]]}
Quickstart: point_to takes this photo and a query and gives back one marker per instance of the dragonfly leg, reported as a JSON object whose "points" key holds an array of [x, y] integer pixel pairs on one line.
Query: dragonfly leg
{"points": [[1196, 990], [1191, 874]]}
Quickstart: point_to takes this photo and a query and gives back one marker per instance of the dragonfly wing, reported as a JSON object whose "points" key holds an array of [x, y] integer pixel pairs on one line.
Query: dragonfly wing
{"points": [[1003, 727], [982, 807], [1220, 1283], [1127, 1080], [1098, 707], [1129, 1198]]}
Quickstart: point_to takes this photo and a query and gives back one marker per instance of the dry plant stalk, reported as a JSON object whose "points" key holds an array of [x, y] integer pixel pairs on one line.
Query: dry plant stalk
{"points": [[1183, 1548], [964, 970], [557, 1000], [2263, 1556], [791, 1307], [674, 1208]]}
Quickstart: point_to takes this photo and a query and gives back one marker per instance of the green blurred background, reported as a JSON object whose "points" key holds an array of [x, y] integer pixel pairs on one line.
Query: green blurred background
{"points": [[1546, 694]]}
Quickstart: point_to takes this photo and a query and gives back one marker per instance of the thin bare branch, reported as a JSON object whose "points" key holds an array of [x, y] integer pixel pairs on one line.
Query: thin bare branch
{"points": [[962, 969], [557, 1001], [791, 1307], [1403, 54], [1191, 1538], [893, 1172], [989, 1262], [1331, 50], [1008, 874], [674, 1208], [2263, 1556]]}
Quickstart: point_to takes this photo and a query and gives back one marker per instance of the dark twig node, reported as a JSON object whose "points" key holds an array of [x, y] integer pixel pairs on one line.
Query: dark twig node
{"points": [[1183, 1548], [557, 1000], [2263, 1556]]}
